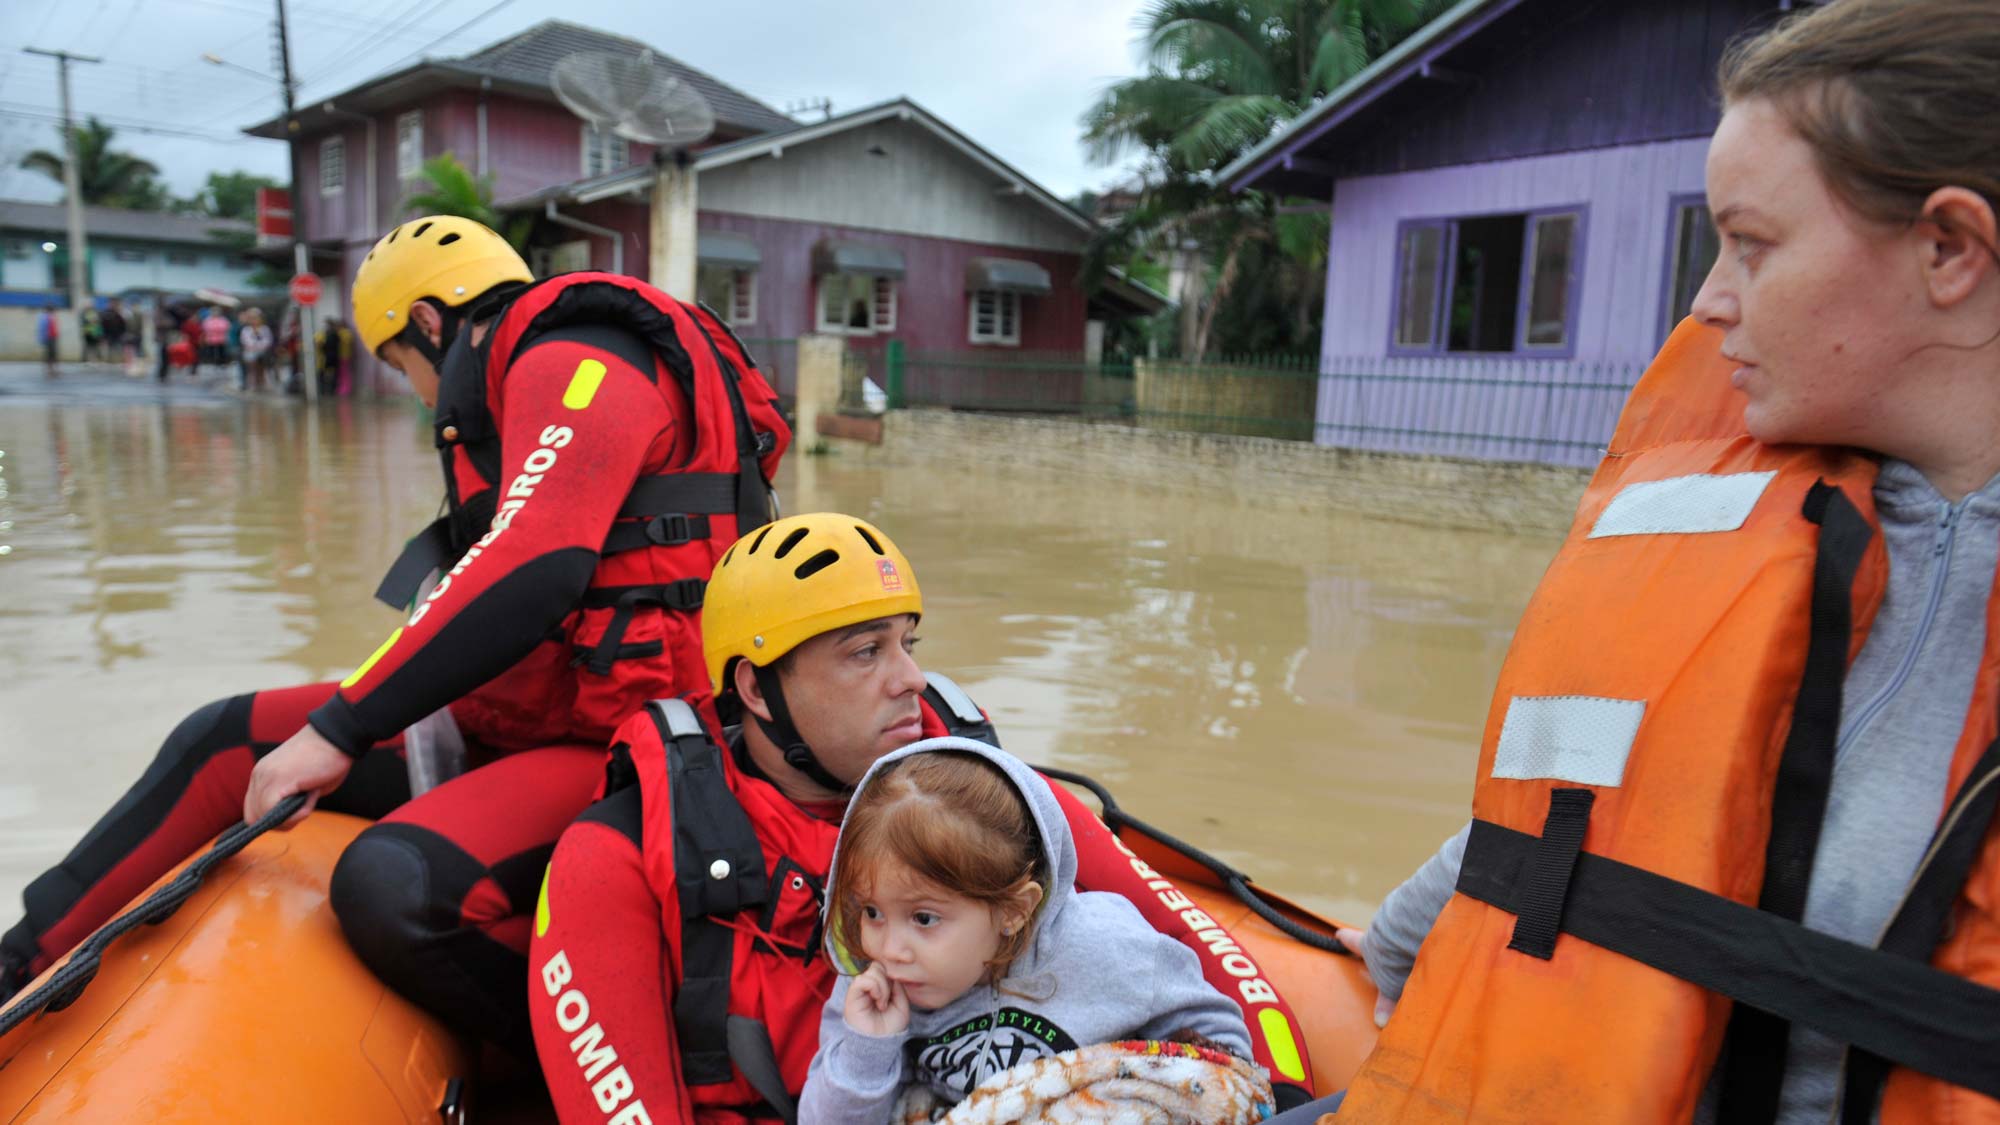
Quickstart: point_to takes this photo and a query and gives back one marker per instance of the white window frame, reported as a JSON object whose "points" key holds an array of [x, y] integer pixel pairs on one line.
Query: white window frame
{"points": [[332, 166], [741, 307], [127, 254], [410, 144], [880, 292], [1006, 318], [616, 151]]}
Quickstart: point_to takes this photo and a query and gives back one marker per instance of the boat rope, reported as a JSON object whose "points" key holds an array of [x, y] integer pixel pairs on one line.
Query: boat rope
{"points": [[67, 983], [1237, 882]]}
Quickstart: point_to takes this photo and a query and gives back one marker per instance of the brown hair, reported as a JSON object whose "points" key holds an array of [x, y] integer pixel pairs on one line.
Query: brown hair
{"points": [[1897, 98], [954, 819]]}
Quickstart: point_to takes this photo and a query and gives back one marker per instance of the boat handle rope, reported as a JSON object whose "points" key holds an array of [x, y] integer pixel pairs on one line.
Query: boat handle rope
{"points": [[1237, 882], [62, 989]]}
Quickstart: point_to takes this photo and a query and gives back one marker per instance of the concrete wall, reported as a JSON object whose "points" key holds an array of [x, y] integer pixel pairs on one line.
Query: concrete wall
{"points": [[1219, 398], [915, 184], [1286, 475]]}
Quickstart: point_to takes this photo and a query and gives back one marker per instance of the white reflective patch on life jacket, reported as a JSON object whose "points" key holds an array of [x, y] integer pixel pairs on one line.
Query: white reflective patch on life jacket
{"points": [[1575, 738], [1682, 505]]}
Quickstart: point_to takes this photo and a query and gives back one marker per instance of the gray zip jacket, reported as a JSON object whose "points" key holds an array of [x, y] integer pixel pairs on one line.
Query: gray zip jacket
{"points": [[1902, 708], [1094, 972]]}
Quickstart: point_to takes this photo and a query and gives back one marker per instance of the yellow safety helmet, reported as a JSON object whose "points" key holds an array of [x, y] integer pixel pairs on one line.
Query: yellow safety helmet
{"points": [[444, 257], [790, 581]]}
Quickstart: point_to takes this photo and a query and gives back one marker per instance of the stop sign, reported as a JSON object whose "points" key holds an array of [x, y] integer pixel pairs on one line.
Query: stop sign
{"points": [[305, 288]]}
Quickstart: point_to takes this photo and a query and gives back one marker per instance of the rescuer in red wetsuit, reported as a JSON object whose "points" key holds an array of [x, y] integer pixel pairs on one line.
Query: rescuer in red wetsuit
{"points": [[601, 442], [677, 968]]}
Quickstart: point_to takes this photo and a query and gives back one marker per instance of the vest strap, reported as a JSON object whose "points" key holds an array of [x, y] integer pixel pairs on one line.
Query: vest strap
{"points": [[1924, 920], [718, 870], [1754, 1050], [1542, 897], [685, 595], [962, 717], [1896, 1007], [750, 1048], [427, 551]]}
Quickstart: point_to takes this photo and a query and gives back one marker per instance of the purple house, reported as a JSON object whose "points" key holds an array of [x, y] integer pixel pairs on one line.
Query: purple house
{"points": [[1517, 220], [881, 224]]}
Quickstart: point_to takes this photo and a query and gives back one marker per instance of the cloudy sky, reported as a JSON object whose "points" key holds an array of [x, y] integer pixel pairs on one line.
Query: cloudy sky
{"points": [[1013, 76]]}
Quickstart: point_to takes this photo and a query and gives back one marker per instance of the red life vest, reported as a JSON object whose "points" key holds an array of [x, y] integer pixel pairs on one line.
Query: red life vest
{"points": [[740, 873], [1651, 783], [635, 636]]}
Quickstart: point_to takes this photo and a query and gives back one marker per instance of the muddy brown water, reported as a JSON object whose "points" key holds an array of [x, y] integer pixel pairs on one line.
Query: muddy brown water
{"points": [[1301, 695]]}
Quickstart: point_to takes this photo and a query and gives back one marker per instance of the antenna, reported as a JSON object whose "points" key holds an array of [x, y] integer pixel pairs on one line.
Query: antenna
{"points": [[634, 96]]}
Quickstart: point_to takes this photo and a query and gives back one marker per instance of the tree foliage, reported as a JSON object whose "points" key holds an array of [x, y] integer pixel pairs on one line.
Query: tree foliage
{"points": [[232, 195], [105, 176], [449, 188], [1223, 75]]}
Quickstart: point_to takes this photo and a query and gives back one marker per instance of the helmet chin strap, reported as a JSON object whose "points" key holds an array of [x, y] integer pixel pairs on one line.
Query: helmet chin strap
{"points": [[779, 729], [450, 319]]}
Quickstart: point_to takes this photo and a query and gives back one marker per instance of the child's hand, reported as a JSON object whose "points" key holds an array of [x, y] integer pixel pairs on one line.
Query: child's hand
{"points": [[877, 1005], [1384, 1006]]}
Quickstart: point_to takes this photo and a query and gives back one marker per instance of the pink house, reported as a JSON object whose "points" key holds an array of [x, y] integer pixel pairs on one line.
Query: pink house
{"points": [[878, 224]]}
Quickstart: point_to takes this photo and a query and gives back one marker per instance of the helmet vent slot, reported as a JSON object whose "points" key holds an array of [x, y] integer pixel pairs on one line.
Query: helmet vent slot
{"points": [[727, 555], [421, 228], [791, 541], [868, 539], [760, 540], [817, 563], [448, 239]]}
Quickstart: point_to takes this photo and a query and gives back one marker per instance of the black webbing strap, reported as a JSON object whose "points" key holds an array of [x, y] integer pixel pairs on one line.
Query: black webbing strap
{"points": [[708, 493], [1896, 1007], [659, 531], [1539, 914], [750, 1047], [427, 551], [1921, 923], [685, 595], [718, 870], [1753, 1054], [962, 717]]}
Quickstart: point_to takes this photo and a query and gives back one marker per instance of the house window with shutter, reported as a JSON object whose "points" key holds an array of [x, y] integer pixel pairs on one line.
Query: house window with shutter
{"points": [[332, 166], [603, 151], [994, 317], [410, 144], [857, 304], [732, 293]]}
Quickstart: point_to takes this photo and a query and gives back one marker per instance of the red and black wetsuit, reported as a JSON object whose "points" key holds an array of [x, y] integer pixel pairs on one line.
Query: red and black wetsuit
{"points": [[435, 896]]}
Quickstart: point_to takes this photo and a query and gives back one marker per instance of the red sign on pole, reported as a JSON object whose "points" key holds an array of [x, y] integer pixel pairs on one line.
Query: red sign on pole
{"points": [[274, 215], [305, 289]]}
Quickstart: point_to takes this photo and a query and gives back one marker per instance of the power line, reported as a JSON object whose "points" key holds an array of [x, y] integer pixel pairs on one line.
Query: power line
{"points": [[454, 31], [137, 125], [394, 29]]}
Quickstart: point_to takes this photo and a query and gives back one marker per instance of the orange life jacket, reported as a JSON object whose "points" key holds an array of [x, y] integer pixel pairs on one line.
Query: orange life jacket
{"points": [[1651, 782]]}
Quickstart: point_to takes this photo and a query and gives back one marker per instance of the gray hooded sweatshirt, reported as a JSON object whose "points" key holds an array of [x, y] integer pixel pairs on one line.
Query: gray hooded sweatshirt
{"points": [[1094, 972]]}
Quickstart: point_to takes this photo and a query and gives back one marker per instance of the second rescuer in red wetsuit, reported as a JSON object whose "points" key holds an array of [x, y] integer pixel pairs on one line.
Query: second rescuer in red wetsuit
{"points": [[677, 968]]}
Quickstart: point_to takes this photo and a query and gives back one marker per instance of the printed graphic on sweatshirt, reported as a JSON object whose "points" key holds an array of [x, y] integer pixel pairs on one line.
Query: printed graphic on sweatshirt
{"points": [[963, 1057]]}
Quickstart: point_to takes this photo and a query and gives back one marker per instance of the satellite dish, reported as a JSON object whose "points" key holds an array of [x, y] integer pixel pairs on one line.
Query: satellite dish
{"points": [[634, 96]]}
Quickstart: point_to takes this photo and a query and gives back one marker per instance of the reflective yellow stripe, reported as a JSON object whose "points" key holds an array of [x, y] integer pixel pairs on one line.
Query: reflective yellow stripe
{"points": [[583, 385], [542, 907], [370, 662], [1284, 1048]]}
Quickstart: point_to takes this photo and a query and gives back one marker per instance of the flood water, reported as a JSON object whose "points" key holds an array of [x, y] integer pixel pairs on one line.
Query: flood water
{"points": [[1301, 695]]}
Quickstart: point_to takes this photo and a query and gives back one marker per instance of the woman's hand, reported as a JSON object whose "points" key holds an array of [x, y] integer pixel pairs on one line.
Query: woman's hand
{"points": [[877, 1005], [1352, 940]]}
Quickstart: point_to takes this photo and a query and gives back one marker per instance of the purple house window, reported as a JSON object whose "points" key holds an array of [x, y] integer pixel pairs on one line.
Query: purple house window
{"points": [[1502, 283], [1691, 250]]}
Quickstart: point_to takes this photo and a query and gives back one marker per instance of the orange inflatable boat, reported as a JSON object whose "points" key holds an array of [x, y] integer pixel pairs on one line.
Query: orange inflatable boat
{"points": [[245, 1004]]}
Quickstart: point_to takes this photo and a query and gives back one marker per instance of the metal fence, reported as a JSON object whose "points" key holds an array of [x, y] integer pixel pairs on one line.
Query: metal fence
{"points": [[1010, 381], [1501, 409]]}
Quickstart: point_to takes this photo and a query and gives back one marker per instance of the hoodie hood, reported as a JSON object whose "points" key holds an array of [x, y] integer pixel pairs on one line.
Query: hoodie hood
{"points": [[1051, 828]]}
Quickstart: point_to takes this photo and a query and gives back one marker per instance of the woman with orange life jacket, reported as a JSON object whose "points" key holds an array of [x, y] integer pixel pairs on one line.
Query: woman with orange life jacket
{"points": [[601, 443], [678, 974], [1734, 855]]}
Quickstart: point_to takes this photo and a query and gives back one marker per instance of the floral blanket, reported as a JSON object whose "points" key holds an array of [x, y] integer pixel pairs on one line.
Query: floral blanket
{"points": [[1129, 1083]]}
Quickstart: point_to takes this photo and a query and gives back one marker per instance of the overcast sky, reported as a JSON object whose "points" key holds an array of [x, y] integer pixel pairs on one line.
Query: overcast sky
{"points": [[1014, 76]]}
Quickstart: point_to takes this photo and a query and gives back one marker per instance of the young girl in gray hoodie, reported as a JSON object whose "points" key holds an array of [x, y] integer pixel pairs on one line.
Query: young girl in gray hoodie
{"points": [[965, 948]]}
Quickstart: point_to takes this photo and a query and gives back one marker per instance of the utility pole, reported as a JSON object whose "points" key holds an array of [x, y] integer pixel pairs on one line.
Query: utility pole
{"points": [[79, 275], [301, 253]]}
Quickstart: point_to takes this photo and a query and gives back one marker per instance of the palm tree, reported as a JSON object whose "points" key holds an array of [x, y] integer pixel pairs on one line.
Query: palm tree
{"points": [[104, 176], [451, 189], [1222, 76]]}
